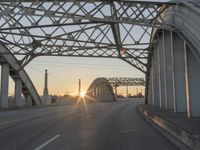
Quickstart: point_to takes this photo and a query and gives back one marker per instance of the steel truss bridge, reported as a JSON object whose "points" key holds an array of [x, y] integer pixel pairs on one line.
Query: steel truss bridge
{"points": [[158, 38], [102, 89], [119, 29], [120, 81]]}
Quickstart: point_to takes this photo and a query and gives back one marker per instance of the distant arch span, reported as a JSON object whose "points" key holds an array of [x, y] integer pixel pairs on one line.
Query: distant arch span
{"points": [[100, 91]]}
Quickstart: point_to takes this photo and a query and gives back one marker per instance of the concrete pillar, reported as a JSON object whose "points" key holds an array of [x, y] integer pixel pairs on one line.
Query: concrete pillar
{"points": [[4, 85], [28, 100], [169, 70], [152, 85], [156, 77], [193, 85], [150, 102], [164, 70], [161, 62], [18, 91], [179, 73]]}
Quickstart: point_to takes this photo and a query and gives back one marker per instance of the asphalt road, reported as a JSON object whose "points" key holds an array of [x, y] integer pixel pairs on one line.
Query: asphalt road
{"points": [[102, 126]]}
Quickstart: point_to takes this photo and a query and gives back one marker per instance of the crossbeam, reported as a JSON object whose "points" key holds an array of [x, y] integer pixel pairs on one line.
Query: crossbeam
{"points": [[122, 81]]}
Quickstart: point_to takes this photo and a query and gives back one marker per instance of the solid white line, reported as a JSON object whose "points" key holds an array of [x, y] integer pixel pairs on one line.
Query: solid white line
{"points": [[47, 142]]}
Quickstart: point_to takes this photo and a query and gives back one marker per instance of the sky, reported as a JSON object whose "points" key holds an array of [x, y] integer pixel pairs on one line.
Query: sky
{"points": [[64, 72]]}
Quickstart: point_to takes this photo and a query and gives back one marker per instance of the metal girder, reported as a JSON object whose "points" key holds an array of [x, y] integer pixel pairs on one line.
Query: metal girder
{"points": [[121, 81], [92, 28]]}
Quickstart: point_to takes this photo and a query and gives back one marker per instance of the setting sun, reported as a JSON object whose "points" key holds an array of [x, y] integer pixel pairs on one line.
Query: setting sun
{"points": [[82, 94]]}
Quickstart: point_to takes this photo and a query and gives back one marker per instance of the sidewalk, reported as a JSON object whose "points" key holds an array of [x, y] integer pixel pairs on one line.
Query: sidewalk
{"points": [[176, 125]]}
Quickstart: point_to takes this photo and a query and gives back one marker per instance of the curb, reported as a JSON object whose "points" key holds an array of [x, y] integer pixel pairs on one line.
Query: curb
{"points": [[187, 139]]}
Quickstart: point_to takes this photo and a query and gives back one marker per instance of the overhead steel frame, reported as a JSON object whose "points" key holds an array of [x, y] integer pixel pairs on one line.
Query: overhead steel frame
{"points": [[91, 28], [120, 81], [102, 89]]}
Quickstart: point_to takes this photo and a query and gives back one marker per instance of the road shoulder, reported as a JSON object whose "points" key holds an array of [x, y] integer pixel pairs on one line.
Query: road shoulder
{"points": [[176, 127]]}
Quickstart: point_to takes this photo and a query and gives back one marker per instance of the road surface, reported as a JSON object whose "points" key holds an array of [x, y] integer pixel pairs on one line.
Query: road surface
{"points": [[101, 126]]}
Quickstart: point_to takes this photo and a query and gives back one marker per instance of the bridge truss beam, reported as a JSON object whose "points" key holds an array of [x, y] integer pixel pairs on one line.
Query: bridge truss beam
{"points": [[119, 81], [118, 29]]}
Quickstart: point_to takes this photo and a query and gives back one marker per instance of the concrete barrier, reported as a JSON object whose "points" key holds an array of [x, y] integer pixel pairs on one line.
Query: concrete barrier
{"points": [[189, 140]]}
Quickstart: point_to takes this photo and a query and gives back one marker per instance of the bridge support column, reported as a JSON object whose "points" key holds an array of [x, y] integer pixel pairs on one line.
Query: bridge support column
{"points": [[149, 94], [150, 88], [28, 100], [169, 70], [179, 73], [18, 91], [193, 86], [4, 85], [156, 88], [161, 65], [152, 85]]}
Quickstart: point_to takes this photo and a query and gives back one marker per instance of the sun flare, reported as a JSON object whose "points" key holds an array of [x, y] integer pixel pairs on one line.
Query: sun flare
{"points": [[82, 94]]}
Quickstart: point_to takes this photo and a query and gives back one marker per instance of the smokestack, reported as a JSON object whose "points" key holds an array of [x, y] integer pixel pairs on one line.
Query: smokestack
{"points": [[79, 87], [46, 92]]}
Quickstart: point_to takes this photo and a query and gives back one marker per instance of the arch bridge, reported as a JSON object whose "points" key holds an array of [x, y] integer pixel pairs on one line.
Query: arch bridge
{"points": [[102, 89], [161, 39]]}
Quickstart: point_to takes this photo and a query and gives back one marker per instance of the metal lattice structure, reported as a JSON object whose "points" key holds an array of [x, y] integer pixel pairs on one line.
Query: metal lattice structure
{"points": [[117, 81], [91, 28]]}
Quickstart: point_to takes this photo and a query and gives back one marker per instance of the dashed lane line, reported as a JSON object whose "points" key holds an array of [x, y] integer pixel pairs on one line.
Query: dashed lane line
{"points": [[47, 142]]}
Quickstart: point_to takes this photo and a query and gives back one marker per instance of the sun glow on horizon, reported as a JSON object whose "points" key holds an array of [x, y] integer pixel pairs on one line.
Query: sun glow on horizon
{"points": [[82, 94]]}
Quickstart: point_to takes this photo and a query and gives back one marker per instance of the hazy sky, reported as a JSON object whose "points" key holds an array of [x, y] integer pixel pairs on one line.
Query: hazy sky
{"points": [[64, 72]]}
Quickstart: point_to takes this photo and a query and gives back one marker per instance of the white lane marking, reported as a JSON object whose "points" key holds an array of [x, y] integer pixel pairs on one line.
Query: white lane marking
{"points": [[47, 142]]}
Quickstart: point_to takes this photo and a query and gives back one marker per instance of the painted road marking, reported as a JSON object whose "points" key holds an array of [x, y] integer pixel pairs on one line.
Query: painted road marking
{"points": [[47, 142]]}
